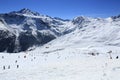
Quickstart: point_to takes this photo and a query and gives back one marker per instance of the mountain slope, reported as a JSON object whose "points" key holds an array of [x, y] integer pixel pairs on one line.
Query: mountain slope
{"points": [[90, 35], [83, 48], [30, 29]]}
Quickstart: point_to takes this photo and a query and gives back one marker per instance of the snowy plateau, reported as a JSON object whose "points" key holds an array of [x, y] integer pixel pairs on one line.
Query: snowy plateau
{"points": [[40, 47]]}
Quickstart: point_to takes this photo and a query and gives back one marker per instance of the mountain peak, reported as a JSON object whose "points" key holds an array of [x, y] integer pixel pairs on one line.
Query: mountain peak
{"points": [[116, 17], [26, 11], [80, 19]]}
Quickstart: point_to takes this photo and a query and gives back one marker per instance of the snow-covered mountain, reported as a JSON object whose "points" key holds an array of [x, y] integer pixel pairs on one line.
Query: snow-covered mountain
{"points": [[23, 29], [28, 29], [79, 49], [96, 35]]}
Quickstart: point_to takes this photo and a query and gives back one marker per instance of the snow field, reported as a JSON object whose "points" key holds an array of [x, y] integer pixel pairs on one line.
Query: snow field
{"points": [[59, 65]]}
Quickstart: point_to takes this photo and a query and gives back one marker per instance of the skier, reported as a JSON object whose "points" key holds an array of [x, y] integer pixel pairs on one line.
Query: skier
{"points": [[9, 67], [110, 54], [3, 67], [17, 66], [16, 61], [117, 57]]}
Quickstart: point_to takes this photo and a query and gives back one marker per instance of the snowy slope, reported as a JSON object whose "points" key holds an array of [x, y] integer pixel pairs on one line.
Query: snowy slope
{"points": [[89, 34], [30, 29], [82, 52], [2, 25], [33, 29], [59, 65]]}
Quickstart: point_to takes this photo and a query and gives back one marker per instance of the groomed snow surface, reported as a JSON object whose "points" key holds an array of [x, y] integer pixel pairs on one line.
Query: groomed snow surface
{"points": [[60, 64]]}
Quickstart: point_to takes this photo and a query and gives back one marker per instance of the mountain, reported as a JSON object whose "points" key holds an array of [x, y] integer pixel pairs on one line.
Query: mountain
{"points": [[90, 35], [26, 11], [25, 29], [76, 49]]}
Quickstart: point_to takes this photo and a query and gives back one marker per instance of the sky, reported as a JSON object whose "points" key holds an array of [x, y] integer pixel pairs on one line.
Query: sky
{"points": [[66, 9]]}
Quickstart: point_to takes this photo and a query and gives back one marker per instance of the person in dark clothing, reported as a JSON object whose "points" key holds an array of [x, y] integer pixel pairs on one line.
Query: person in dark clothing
{"points": [[117, 57], [17, 66], [3, 67], [9, 67], [15, 61]]}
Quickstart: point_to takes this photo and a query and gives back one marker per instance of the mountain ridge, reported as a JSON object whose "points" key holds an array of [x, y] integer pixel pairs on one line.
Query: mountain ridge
{"points": [[33, 29]]}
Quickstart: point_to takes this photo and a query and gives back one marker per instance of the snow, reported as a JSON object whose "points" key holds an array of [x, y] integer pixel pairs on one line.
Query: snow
{"points": [[81, 54], [64, 64], [2, 26]]}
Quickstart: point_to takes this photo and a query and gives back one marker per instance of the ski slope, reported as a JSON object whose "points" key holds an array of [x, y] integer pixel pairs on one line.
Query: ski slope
{"points": [[64, 64], [88, 49]]}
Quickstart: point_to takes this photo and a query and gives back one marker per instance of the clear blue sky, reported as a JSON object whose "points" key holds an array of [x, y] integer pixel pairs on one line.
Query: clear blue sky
{"points": [[65, 8]]}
